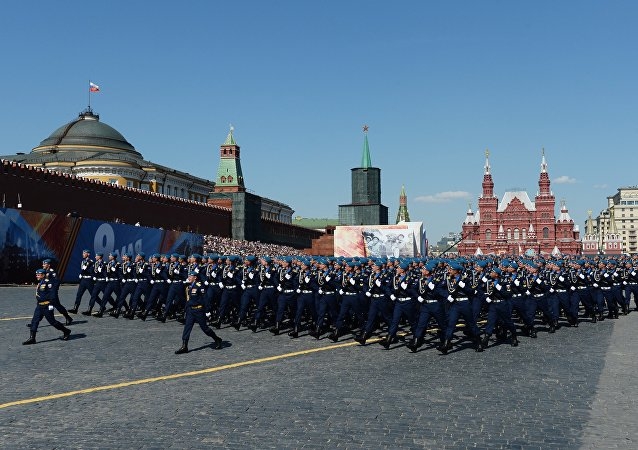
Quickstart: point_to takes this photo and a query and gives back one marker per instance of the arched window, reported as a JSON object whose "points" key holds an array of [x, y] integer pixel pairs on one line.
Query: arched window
{"points": [[230, 178], [223, 178], [509, 233], [516, 235], [488, 235], [524, 233], [545, 233]]}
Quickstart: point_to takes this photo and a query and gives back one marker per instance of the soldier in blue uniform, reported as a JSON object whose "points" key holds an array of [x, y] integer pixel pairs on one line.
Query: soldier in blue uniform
{"points": [[52, 276], [402, 293], [44, 294], [195, 312], [500, 291], [159, 287], [306, 288], [99, 282], [176, 278], [212, 277], [630, 282], [376, 290], [350, 302], [430, 291], [458, 297], [113, 283], [286, 287], [86, 279], [142, 284], [127, 279], [230, 285], [267, 274], [328, 279], [249, 275]]}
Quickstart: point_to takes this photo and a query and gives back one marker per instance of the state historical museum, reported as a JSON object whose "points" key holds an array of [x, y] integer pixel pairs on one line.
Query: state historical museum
{"points": [[516, 225]]}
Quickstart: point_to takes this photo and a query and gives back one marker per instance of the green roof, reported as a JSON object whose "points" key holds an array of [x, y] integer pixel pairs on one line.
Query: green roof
{"points": [[230, 140], [314, 223], [366, 161]]}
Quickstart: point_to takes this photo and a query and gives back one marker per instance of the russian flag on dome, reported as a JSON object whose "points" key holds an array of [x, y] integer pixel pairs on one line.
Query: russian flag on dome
{"points": [[93, 87]]}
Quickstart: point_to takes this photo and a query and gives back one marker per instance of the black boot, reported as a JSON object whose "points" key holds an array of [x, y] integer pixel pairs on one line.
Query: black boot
{"points": [[182, 349], [478, 344], [387, 341], [485, 341], [362, 338], [593, 318], [276, 329], [161, 318], [87, 312], [253, 327], [532, 333], [68, 320], [412, 345], [100, 313], [552, 327], [74, 310], [31, 339], [294, 333], [334, 336], [236, 325], [601, 316], [447, 345], [66, 333], [218, 341], [514, 342], [142, 315]]}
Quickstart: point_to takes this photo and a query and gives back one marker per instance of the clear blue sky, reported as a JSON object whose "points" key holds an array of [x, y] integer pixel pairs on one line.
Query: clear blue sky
{"points": [[437, 82]]}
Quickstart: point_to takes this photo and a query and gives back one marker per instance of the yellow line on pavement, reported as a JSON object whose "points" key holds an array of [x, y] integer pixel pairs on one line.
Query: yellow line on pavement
{"points": [[177, 375], [16, 318]]}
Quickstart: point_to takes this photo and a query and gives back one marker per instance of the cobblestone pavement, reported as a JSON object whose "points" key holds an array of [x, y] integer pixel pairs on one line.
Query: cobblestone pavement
{"points": [[572, 389]]}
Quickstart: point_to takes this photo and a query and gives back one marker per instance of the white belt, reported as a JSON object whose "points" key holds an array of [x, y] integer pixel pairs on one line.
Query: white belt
{"points": [[605, 287], [538, 295], [404, 299], [561, 290], [306, 292]]}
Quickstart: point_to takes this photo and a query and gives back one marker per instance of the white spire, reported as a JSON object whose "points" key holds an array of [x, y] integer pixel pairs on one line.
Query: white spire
{"points": [[543, 163], [487, 162]]}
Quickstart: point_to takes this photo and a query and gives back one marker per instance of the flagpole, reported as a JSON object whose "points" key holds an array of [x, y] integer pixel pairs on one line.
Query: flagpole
{"points": [[89, 95]]}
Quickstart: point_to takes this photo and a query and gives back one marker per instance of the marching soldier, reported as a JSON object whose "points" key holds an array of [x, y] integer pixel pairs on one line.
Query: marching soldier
{"points": [[306, 288], [249, 292], [376, 290], [52, 276], [195, 307], [86, 280], [286, 287], [402, 293], [430, 296], [112, 283], [44, 293], [500, 291], [267, 291], [99, 282]]}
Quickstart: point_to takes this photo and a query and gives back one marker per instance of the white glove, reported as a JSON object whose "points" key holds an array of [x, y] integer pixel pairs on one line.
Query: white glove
{"points": [[176, 271], [392, 297], [625, 283], [206, 283], [538, 281], [606, 275], [260, 288], [340, 291], [488, 300], [80, 276], [352, 281], [484, 279], [517, 283], [298, 291], [196, 269], [307, 279], [94, 278], [368, 294], [462, 283], [221, 285], [128, 270], [572, 288], [251, 275], [498, 287], [581, 276], [431, 286], [152, 281], [528, 293], [377, 282], [157, 270], [50, 307], [268, 275], [279, 288], [420, 299], [595, 284], [551, 290], [328, 278], [287, 277], [450, 298], [169, 281], [561, 278], [404, 285], [123, 281], [207, 314], [230, 274], [243, 286], [320, 291], [633, 273]]}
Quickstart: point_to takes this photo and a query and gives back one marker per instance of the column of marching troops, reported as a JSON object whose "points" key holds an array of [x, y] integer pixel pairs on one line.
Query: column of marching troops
{"points": [[363, 296]]}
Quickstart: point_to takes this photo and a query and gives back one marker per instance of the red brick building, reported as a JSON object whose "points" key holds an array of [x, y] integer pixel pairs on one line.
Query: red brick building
{"points": [[516, 225]]}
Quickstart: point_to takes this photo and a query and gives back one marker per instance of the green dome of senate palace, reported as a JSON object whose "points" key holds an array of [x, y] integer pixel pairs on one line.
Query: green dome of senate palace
{"points": [[86, 133]]}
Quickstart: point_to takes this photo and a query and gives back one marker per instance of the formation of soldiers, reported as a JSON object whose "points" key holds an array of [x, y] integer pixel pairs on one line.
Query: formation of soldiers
{"points": [[329, 296]]}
